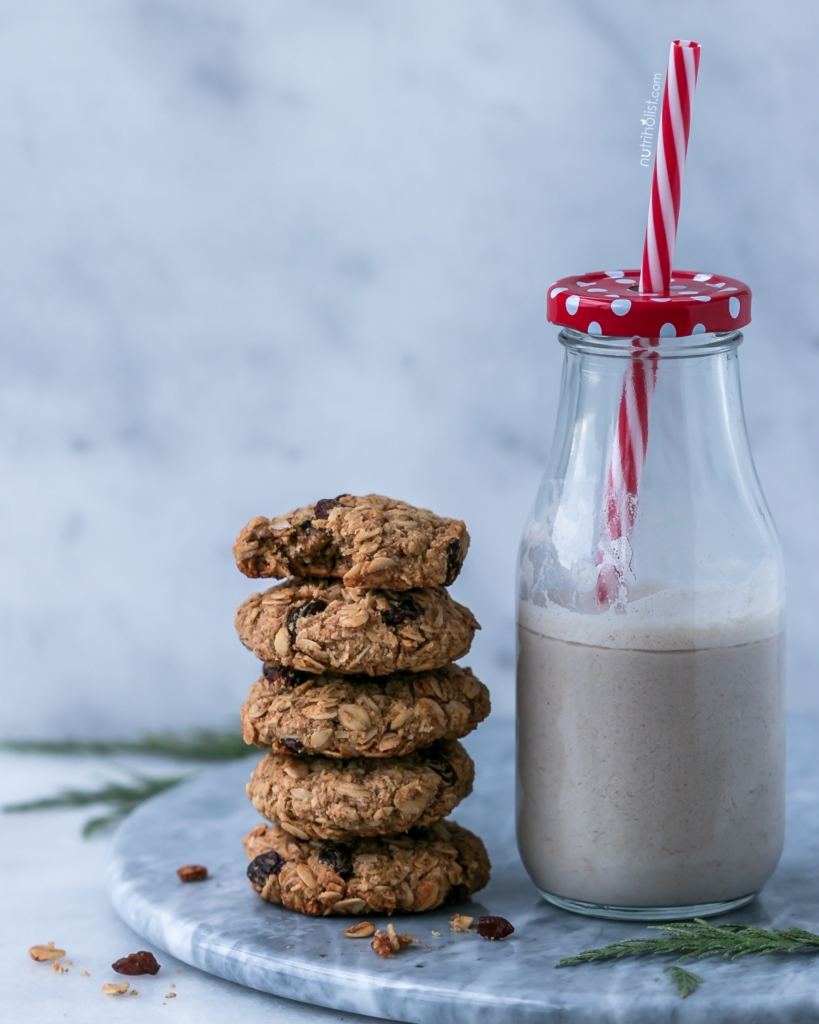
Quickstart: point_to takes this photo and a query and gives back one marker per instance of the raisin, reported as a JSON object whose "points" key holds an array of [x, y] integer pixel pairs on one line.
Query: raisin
{"points": [[402, 610], [493, 927], [284, 676], [339, 857], [292, 744], [301, 612], [453, 561], [262, 867], [192, 873], [321, 510], [442, 767], [456, 893], [142, 962]]}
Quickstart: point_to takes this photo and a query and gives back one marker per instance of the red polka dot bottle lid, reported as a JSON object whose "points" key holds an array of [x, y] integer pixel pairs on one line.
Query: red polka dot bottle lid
{"points": [[607, 302]]}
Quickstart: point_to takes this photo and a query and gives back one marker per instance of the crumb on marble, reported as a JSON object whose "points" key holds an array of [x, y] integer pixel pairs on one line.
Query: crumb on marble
{"points": [[388, 943], [362, 930], [460, 923], [192, 873], [116, 989], [46, 951]]}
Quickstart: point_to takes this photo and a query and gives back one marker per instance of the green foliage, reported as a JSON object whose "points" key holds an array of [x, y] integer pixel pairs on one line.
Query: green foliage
{"points": [[200, 745], [698, 939], [120, 797], [686, 981]]}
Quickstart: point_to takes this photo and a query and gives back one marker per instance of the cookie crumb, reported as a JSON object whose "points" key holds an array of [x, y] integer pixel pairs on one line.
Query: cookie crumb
{"points": [[437, 934], [388, 943], [170, 995], [460, 923], [133, 992], [173, 984], [46, 951], [381, 944], [491, 927], [192, 873], [58, 968], [84, 974], [116, 989], [362, 930]]}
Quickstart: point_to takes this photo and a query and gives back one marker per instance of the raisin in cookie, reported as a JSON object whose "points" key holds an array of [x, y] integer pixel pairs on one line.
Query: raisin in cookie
{"points": [[320, 626], [368, 542], [353, 716], [441, 864], [316, 798]]}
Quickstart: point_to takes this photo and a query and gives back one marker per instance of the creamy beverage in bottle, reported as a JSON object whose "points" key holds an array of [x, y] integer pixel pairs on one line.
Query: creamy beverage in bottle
{"points": [[650, 746]]}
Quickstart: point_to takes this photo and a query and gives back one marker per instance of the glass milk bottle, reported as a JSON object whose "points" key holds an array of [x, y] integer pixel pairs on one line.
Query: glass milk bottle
{"points": [[650, 741]]}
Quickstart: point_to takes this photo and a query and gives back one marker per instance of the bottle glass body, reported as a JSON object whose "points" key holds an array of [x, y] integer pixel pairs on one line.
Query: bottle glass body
{"points": [[650, 764]]}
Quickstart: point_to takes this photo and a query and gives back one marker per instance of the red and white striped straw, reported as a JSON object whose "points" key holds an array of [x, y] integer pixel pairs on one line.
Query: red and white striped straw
{"points": [[669, 163], [631, 435]]}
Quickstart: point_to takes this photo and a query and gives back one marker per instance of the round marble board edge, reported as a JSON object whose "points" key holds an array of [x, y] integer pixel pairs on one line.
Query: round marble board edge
{"points": [[223, 927]]}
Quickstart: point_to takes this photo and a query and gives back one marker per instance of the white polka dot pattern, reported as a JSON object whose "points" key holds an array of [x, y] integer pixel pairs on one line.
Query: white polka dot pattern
{"points": [[608, 303]]}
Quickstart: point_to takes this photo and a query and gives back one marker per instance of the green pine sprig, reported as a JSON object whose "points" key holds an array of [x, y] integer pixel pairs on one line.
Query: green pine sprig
{"points": [[200, 745], [686, 981], [120, 797], [698, 939]]}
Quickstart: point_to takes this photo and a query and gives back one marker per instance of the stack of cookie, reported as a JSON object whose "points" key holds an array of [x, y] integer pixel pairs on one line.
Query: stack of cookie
{"points": [[361, 707]]}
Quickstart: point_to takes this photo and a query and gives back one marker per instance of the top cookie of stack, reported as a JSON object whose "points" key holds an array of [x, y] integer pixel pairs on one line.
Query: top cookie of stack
{"points": [[369, 542], [368, 597]]}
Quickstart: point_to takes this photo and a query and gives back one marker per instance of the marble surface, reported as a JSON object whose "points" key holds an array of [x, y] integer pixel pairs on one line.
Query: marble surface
{"points": [[222, 927], [52, 888]]}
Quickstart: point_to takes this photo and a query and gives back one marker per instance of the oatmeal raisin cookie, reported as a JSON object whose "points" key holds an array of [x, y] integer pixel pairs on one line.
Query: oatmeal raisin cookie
{"points": [[316, 798], [368, 542], [354, 716], [419, 871], [320, 626]]}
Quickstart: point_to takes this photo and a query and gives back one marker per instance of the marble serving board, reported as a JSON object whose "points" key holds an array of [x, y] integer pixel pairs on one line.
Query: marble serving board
{"points": [[223, 927]]}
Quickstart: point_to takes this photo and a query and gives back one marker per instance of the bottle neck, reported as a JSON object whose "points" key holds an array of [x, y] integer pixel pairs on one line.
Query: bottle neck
{"points": [[690, 346]]}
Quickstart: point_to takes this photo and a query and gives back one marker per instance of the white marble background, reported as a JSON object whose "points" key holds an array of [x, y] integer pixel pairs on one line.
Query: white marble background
{"points": [[254, 252]]}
